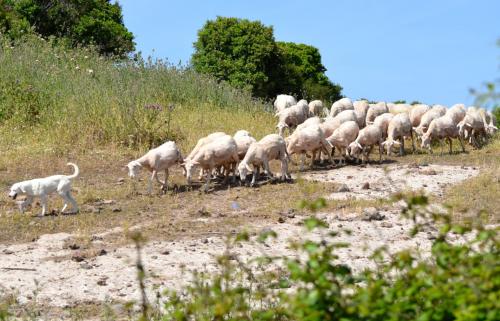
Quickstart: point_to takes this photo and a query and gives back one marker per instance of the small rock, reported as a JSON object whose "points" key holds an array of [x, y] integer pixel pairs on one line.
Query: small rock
{"points": [[8, 252], [108, 202], [203, 212], [74, 246], [342, 188], [154, 257], [428, 171], [116, 209], [372, 214], [413, 165], [281, 220], [349, 177], [166, 252], [386, 224], [102, 252], [366, 185], [77, 257], [120, 180], [340, 226], [86, 266], [205, 241], [102, 281]]}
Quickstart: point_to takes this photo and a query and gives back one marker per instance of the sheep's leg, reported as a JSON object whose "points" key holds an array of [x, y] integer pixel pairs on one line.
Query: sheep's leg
{"points": [[380, 151], [207, 183], [150, 181], [313, 159], [402, 147], [267, 170], [441, 142], [233, 165], [302, 161], [461, 144], [254, 176], [450, 142]]}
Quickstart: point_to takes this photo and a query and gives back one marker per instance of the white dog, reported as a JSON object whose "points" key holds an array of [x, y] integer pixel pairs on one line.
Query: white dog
{"points": [[42, 187]]}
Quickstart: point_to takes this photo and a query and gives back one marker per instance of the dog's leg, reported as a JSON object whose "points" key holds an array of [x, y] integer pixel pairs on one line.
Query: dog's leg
{"points": [[43, 200], [74, 206], [27, 202], [165, 184]]}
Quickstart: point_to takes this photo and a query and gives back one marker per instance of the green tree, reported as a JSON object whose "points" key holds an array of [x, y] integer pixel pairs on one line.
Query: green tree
{"points": [[303, 74], [98, 22], [10, 22], [239, 51], [245, 54]]}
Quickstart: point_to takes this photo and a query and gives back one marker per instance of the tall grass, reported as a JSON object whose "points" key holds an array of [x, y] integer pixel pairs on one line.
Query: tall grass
{"points": [[74, 97]]}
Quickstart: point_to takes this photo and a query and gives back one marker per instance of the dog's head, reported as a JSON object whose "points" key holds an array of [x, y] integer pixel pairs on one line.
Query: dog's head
{"points": [[133, 168], [15, 190]]}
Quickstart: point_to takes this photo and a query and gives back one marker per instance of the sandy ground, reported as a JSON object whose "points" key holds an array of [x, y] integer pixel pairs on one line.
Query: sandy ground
{"points": [[52, 272]]}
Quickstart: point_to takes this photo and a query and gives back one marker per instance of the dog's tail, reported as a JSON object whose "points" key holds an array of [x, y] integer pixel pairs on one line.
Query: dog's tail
{"points": [[76, 173]]}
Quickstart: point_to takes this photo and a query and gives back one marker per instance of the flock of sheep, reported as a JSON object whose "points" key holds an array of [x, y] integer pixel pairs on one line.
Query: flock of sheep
{"points": [[353, 128]]}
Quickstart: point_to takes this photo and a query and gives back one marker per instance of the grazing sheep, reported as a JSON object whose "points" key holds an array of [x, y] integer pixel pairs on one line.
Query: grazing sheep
{"points": [[489, 120], [399, 108], [260, 153], [473, 124], [456, 112], [375, 110], [361, 108], [315, 108], [330, 124], [343, 136], [243, 140], [368, 137], [440, 108], [311, 139], [341, 105], [399, 128], [427, 118], [383, 121], [417, 112], [308, 122], [284, 101], [441, 128], [158, 159], [202, 141], [472, 109], [223, 151], [291, 118]]}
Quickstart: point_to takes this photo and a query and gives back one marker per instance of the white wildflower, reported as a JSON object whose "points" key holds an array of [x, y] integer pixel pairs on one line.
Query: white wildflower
{"points": [[90, 71]]}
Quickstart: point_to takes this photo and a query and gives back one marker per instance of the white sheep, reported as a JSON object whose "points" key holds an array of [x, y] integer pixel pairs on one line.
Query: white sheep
{"points": [[259, 154], [375, 110], [343, 136], [368, 137], [417, 112], [222, 151], [440, 108], [330, 124], [308, 122], [202, 141], [441, 128], [315, 108], [383, 121], [309, 139], [456, 112], [472, 125], [341, 105], [399, 108], [243, 140], [284, 101], [361, 108], [489, 120], [427, 118], [157, 159], [291, 117], [399, 128]]}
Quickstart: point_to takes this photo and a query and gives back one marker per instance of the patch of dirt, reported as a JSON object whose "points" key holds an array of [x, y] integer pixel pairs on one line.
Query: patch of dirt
{"points": [[375, 181]]}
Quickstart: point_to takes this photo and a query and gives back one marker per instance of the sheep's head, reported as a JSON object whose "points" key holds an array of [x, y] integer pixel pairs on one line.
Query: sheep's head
{"points": [[190, 167], [491, 129], [281, 128], [243, 170], [419, 131], [388, 144], [426, 141], [354, 149], [133, 168]]}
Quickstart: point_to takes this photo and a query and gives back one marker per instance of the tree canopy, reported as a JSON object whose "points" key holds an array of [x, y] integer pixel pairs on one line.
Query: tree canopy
{"points": [[245, 54], [97, 22]]}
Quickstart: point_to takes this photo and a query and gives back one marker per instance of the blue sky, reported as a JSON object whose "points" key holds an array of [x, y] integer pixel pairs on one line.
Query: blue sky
{"points": [[427, 50]]}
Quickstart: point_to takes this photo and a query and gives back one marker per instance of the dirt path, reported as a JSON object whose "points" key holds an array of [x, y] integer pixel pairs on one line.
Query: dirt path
{"points": [[61, 275]]}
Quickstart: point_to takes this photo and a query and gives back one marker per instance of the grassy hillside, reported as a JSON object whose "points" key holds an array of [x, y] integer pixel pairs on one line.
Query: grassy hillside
{"points": [[73, 98]]}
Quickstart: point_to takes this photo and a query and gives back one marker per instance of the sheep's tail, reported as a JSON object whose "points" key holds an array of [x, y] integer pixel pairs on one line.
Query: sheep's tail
{"points": [[76, 169]]}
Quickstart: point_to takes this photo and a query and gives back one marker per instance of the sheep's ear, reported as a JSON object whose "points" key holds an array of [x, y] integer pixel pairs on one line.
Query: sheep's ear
{"points": [[396, 143], [359, 145], [248, 167]]}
